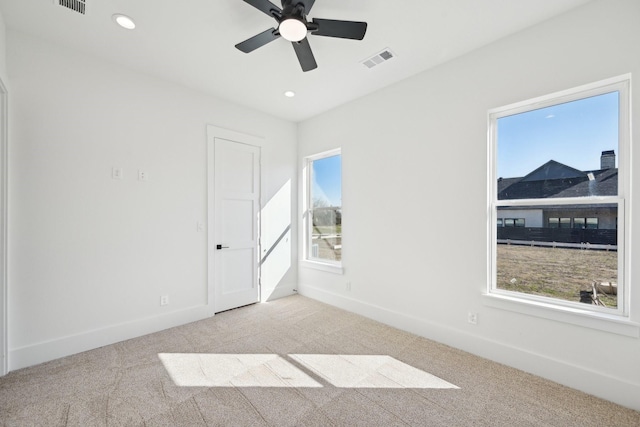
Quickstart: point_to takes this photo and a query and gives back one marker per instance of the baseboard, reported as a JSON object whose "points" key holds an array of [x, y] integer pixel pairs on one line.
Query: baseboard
{"points": [[591, 382], [66, 346]]}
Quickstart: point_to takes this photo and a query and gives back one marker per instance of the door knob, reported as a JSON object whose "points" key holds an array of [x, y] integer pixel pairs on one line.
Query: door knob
{"points": [[218, 247]]}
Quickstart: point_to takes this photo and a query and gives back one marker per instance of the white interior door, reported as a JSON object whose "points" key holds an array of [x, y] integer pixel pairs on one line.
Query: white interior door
{"points": [[236, 222]]}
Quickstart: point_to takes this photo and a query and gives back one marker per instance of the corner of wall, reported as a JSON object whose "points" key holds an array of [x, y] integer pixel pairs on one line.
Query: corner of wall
{"points": [[4, 359]]}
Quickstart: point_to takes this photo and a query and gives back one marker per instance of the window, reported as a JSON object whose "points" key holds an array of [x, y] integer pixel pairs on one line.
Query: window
{"points": [[559, 222], [590, 223], [561, 161], [514, 222], [323, 209], [579, 223]]}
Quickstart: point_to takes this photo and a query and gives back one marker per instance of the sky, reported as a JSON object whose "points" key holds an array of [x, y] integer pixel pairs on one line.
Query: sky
{"points": [[327, 180], [575, 134]]}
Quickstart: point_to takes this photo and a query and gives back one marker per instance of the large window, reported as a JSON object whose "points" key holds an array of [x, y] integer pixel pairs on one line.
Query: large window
{"points": [[560, 161], [323, 208]]}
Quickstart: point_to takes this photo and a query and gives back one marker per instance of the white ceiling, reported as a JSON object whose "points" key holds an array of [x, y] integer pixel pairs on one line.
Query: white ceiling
{"points": [[191, 42]]}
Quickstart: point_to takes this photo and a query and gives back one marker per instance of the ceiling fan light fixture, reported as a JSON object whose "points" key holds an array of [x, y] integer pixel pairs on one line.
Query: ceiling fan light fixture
{"points": [[293, 29]]}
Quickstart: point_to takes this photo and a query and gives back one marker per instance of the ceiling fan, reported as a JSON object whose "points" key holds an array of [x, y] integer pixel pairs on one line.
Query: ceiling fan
{"points": [[294, 27]]}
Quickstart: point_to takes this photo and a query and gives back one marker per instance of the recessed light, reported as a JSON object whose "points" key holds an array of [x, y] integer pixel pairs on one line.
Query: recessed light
{"points": [[289, 94], [124, 21]]}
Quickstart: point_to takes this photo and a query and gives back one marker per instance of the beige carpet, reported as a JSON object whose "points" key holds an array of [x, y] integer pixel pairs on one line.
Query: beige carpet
{"points": [[291, 362]]}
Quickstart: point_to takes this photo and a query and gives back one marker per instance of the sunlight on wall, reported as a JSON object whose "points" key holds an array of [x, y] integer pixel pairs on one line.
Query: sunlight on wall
{"points": [[276, 240], [272, 370]]}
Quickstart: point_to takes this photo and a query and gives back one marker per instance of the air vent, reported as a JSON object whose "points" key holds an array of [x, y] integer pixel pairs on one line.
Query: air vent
{"points": [[379, 58], [75, 5]]}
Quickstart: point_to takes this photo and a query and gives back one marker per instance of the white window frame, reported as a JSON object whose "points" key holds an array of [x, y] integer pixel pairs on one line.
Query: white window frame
{"points": [[307, 259], [607, 319]]}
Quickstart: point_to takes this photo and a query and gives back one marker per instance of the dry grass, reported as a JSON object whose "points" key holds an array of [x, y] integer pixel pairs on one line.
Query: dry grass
{"points": [[555, 272]]}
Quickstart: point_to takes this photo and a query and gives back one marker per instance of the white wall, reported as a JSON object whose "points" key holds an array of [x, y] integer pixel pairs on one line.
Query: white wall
{"points": [[90, 256], [415, 199]]}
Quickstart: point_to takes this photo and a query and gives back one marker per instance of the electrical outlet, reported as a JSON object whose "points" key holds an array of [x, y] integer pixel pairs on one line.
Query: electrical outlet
{"points": [[472, 318], [143, 176], [164, 300], [116, 173]]}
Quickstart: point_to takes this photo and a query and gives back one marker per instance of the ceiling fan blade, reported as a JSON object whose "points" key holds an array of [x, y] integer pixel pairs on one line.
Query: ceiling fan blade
{"points": [[258, 40], [305, 55], [265, 6], [342, 29]]}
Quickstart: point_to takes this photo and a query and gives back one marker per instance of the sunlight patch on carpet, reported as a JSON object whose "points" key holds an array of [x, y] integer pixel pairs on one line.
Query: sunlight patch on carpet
{"points": [[363, 371], [233, 370], [272, 370]]}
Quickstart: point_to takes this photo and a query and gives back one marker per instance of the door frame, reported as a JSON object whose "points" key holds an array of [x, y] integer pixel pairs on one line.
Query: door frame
{"points": [[4, 175], [214, 132]]}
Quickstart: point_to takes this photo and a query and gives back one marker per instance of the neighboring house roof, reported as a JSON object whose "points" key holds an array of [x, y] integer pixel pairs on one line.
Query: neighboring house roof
{"points": [[554, 180], [553, 170]]}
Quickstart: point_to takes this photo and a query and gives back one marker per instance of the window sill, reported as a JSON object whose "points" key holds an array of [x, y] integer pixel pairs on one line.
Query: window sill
{"points": [[575, 316], [329, 268]]}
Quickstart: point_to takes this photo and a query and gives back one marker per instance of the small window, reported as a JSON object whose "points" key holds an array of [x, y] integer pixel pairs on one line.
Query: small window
{"points": [[323, 208], [586, 223], [514, 222], [563, 166], [559, 223], [579, 223]]}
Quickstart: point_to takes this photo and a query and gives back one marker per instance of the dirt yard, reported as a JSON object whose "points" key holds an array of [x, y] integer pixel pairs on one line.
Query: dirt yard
{"points": [[555, 272]]}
